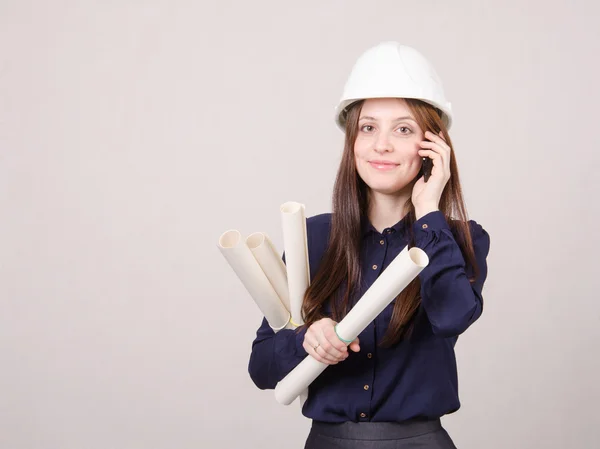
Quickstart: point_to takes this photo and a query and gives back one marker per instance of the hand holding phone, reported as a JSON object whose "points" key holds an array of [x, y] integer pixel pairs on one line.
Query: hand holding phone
{"points": [[434, 151]]}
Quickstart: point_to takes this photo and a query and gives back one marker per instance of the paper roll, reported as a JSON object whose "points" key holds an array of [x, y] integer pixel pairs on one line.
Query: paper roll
{"points": [[296, 255], [248, 270], [402, 270], [271, 264]]}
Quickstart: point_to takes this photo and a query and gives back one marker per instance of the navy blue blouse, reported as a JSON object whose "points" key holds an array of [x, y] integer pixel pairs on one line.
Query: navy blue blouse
{"points": [[416, 378]]}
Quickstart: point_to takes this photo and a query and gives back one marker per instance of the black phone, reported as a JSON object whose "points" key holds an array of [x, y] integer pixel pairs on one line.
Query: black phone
{"points": [[426, 166]]}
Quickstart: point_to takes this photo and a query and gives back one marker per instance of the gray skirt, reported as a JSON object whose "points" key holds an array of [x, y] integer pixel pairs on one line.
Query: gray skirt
{"points": [[379, 435]]}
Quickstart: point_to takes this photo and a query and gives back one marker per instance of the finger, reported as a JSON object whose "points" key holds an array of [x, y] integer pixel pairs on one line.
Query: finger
{"points": [[332, 337], [329, 347], [314, 354], [355, 346], [322, 352], [426, 145], [324, 349], [434, 155], [311, 342], [434, 146], [437, 139], [439, 159]]}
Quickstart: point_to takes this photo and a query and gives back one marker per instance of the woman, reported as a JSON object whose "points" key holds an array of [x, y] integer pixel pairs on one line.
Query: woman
{"points": [[390, 386]]}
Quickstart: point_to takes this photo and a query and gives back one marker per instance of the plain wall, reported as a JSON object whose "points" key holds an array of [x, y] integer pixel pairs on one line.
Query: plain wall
{"points": [[133, 133]]}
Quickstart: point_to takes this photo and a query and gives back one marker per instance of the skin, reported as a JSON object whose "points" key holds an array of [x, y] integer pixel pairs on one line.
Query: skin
{"points": [[387, 132]]}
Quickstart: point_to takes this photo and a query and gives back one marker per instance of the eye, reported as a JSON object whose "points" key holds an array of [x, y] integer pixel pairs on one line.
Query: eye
{"points": [[366, 126], [405, 130]]}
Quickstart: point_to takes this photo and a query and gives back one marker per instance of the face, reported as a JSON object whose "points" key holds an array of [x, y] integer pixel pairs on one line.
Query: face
{"points": [[387, 145]]}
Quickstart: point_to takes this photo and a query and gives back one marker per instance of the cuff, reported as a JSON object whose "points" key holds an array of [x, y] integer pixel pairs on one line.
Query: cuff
{"points": [[428, 224]]}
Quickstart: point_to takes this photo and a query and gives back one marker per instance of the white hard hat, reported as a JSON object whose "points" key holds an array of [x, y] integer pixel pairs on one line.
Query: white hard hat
{"points": [[393, 70]]}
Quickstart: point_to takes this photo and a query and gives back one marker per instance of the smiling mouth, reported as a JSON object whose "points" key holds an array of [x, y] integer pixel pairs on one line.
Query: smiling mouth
{"points": [[383, 165]]}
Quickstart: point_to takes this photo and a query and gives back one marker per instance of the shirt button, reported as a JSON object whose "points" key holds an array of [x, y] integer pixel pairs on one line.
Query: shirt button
{"points": [[366, 387], [382, 242], [424, 226], [362, 415], [370, 355], [374, 267]]}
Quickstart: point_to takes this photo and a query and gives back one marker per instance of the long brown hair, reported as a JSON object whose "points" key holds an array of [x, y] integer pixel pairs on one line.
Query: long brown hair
{"points": [[341, 262]]}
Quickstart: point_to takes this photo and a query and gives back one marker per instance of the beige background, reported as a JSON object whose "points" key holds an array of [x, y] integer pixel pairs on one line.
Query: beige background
{"points": [[133, 133]]}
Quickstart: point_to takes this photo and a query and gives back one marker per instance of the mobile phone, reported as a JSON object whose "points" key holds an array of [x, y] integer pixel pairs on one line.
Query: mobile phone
{"points": [[426, 167]]}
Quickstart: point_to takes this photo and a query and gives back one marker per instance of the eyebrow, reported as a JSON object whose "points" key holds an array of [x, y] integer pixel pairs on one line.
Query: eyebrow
{"points": [[406, 117]]}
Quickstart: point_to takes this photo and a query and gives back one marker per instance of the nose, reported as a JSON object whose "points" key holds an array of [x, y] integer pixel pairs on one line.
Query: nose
{"points": [[383, 144]]}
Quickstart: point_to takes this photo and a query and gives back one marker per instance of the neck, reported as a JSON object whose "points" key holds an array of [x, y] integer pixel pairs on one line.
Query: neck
{"points": [[386, 210]]}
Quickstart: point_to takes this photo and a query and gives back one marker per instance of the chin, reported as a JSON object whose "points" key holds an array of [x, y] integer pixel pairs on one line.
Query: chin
{"points": [[386, 189]]}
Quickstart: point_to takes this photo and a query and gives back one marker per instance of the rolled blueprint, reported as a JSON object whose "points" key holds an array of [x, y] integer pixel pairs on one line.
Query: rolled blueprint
{"points": [[296, 256], [248, 270], [276, 271], [401, 271], [270, 262]]}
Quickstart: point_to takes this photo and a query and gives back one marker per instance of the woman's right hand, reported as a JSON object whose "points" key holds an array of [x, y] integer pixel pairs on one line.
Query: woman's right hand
{"points": [[322, 342]]}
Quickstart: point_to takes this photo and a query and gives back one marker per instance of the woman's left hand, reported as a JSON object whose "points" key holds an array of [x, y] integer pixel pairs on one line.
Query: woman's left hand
{"points": [[426, 195]]}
